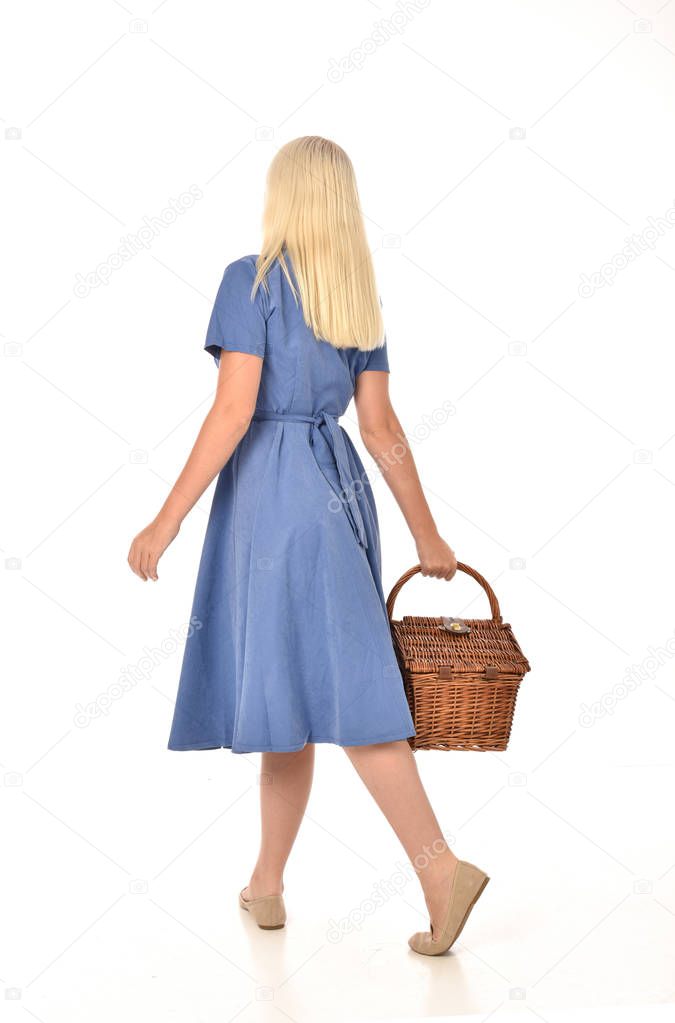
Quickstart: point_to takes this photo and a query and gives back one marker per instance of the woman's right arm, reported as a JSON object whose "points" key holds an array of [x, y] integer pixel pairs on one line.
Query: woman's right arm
{"points": [[225, 425], [384, 439]]}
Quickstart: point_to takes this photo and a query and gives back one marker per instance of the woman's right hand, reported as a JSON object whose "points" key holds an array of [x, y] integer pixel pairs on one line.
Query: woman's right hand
{"points": [[436, 557], [148, 547]]}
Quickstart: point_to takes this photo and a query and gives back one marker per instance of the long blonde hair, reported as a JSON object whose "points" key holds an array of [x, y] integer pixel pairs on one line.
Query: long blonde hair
{"points": [[312, 213]]}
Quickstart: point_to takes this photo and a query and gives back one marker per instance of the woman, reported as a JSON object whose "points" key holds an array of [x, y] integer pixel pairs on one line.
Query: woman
{"points": [[291, 643]]}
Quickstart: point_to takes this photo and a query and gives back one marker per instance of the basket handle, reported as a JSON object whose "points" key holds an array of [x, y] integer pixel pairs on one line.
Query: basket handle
{"points": [[397, 587]]}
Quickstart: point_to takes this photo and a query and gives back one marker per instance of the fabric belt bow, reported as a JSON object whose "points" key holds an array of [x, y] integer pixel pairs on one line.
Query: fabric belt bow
{"points": [[336, 441]]}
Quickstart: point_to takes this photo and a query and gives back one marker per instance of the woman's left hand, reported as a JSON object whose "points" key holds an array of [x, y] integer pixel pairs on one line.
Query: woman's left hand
{"points": [[436, 557], [148, 547]]}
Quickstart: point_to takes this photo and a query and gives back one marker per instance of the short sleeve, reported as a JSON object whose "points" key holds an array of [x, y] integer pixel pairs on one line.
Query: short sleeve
{"points": [[378, 358], [238, 323]]}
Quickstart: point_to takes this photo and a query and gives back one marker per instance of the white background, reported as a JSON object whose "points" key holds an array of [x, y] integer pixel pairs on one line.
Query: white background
{"points": [[503, 149]]}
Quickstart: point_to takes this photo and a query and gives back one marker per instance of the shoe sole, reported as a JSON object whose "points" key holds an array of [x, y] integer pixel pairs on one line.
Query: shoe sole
{"points": [[468, 911]]}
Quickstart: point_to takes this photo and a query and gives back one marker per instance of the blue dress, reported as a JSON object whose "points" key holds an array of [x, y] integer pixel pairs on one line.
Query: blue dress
{"points": [[290, 641]]}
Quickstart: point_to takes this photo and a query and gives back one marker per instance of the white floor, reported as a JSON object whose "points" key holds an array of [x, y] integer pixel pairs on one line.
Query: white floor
{"points": [[143, 924]]}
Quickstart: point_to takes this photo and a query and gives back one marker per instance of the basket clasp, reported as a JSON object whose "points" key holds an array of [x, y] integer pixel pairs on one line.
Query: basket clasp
{"points": [[457, 625]]}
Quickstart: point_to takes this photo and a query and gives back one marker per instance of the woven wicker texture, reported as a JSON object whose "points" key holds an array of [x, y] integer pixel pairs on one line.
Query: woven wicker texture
{"points": [[461, 686]]}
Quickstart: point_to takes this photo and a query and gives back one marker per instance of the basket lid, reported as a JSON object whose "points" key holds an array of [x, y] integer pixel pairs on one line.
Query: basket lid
{"points": [[489, 647]]}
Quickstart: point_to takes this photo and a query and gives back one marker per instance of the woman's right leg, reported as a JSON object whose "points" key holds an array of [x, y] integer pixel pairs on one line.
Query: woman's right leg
{"points": [[285, 784], [390, 774]]}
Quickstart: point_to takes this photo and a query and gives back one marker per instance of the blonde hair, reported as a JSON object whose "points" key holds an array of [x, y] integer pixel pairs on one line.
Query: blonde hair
{"points": [[312, 214]]}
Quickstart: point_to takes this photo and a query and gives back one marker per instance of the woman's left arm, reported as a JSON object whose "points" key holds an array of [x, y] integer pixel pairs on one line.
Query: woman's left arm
{"points": [[383, 436], [225, 425]]}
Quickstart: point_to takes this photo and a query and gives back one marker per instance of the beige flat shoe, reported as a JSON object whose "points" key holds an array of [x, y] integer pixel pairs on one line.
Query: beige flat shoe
{"points": [[268, 911], [467, 884]]}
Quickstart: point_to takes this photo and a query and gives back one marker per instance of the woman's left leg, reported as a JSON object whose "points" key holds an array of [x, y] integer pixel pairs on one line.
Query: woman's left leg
{"points": [[285, 784], [389, 772]]}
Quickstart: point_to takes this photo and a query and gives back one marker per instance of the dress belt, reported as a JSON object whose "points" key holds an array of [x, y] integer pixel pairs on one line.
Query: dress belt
{"points": [[336, 442]]}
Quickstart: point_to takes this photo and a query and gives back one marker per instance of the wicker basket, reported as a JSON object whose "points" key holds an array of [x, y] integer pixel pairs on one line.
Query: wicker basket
{"points": [[461, 676]]}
